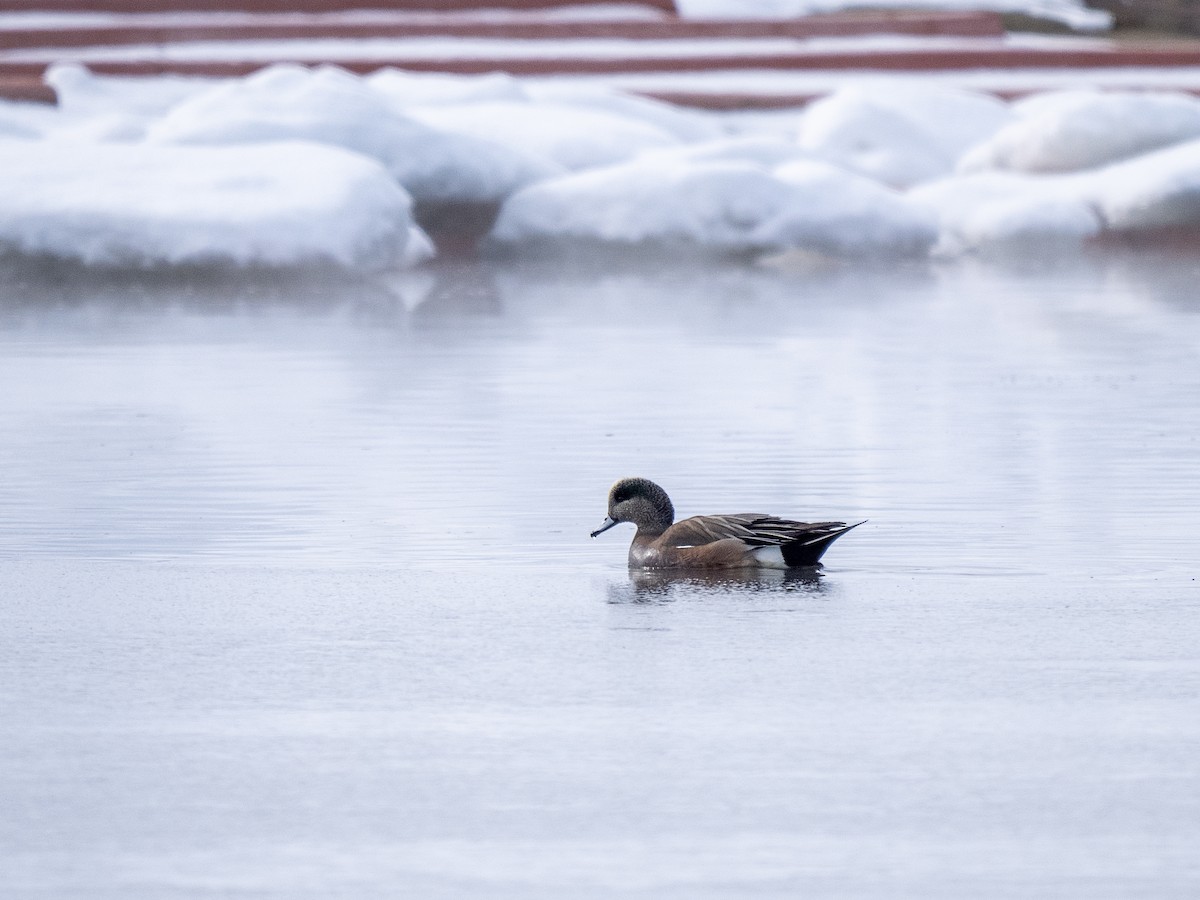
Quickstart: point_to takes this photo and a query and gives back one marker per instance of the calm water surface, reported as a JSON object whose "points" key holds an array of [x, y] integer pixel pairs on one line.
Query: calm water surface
{"points": [[297, 599]]}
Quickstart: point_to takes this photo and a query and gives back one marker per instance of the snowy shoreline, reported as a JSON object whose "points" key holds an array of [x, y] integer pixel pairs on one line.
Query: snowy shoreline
{"points": [[299, 167]]}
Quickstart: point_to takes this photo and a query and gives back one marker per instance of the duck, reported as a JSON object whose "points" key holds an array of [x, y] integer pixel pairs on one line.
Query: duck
{"points": [[738, 541]]}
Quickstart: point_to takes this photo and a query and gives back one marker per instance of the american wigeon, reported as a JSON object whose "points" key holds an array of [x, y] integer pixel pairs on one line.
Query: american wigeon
{"points": [[738, 541]]}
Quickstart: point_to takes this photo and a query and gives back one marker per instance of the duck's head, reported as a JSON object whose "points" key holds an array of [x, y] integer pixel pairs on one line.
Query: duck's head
{"points": [[641, 502]]}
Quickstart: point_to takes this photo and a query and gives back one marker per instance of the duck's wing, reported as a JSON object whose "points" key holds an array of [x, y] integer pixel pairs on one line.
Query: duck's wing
{"points": [[753, 529], [807, 548]]}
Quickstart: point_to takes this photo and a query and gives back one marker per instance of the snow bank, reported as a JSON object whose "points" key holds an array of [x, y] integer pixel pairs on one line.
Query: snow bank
{"points": [[408, 91], [294, 166], [998, 213], [93, 108], [82, 93], [1067, 131], [842, 214], [766, 150], [567, 136], [1158, 190], [1002, 211], [899, 134], [683, 123], [331, 106], [728, 207], [404, 89], [141, 205], [16, 121]]}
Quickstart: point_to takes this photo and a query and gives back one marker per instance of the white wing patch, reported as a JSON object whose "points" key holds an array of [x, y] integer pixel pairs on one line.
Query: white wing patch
{"points": [[769, 557]]}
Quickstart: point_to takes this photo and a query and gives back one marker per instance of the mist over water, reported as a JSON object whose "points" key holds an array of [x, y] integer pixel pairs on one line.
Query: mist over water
{"points": [[298, 598]]}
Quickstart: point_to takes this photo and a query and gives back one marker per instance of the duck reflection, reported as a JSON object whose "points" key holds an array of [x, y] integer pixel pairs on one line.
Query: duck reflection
{"points": [[669, 585], [458, 291]]}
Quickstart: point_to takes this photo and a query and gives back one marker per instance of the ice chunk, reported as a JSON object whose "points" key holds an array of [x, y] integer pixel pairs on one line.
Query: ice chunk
{"points": [[719, 206], [331, 106], [83, 93], [1157, 190], [899, 134], [18, 121], [1030, 225], [570, 137], [1082, 130], [765, 150], [1003, 213], [684, 124], [403, 89], [844, 214], [1152, 191], [141, 205]]}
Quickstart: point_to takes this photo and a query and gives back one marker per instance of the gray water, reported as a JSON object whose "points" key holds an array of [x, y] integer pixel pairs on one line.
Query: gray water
{"points": [[297, 599]]}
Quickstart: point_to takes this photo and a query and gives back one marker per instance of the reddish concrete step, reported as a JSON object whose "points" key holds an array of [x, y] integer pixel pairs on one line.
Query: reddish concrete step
{"points": [[300, 6], [25, 89], [978, 24], [922, 58], [552, 46]]}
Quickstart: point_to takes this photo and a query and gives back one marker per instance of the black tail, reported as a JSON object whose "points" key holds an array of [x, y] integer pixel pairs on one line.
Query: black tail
{"points": [[807, 551]]}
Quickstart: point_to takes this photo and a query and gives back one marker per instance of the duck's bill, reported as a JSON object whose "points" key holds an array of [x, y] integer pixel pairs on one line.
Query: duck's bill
{"points": [[608, 523]]}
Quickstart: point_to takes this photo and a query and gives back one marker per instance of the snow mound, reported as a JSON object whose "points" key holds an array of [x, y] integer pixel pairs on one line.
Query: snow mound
{"points": [[15, 122], [843, 214], [568, 136], [142, 205], [901, 135], [1157, 190], [113, 108], [728, 207], [763, 149], [997, 213], [989, 210], [684, 124], [83, 93], [1081, 130], [331, 106], [294, 165], [403, 89]]}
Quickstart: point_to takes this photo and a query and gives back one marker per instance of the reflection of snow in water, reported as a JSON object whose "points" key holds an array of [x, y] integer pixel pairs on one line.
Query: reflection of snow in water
{"points": [[982, 419]]}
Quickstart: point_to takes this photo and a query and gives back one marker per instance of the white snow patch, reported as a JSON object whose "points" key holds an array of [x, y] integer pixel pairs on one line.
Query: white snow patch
{"points": [[767, 150], [568, 136], [403, 89], [1075, 130], [816, 82], [83, 93], [843, 214], [900, 135], [1004, 213], [142, 205], [293, 166], [329, 105], [412, 50], [685, 124], [988, 210], [19, 120], [377, 16], [112, 108], [724, 206], [1160, 189]]}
